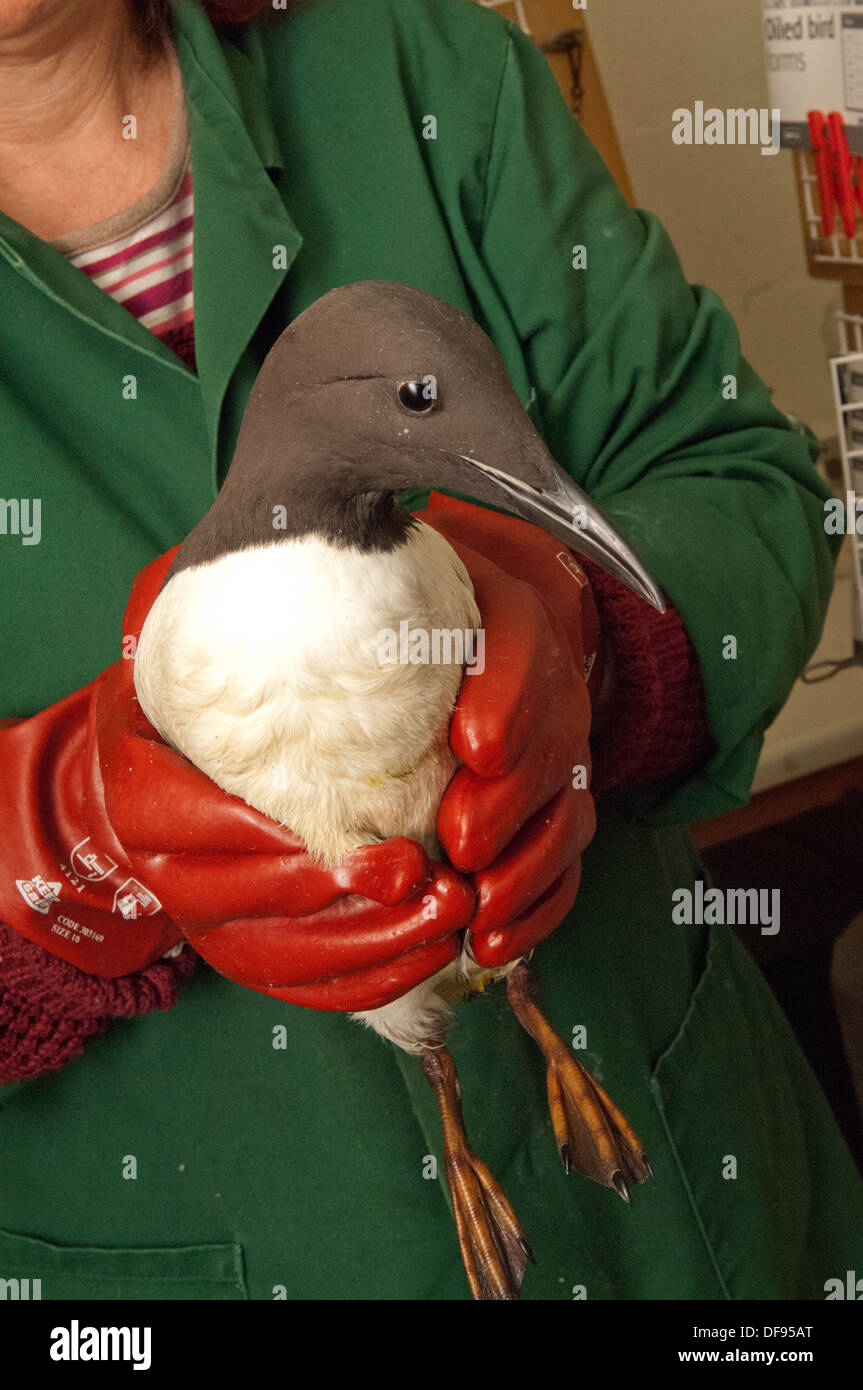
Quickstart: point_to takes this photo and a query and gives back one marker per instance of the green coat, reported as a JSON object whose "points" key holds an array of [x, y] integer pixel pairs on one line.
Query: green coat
{"points": [[301, 1167]]}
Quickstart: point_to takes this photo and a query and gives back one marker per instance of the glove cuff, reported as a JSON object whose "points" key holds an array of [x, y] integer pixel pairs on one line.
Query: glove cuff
{"points": [[65, 880], [49, 1008]]}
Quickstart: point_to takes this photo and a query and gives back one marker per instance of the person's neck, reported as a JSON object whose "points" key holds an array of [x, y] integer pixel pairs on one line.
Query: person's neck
{"points": [[67, 86], [61, 76]]}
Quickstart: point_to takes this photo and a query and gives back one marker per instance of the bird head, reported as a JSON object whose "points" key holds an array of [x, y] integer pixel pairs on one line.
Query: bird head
{"points": [[377, 388]]}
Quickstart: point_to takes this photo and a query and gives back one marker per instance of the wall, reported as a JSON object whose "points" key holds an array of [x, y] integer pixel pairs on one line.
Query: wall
{"points": [[731, 213]]}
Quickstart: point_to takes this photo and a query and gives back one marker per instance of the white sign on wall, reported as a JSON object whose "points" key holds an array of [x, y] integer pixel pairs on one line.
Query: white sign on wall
{"points": [[815, 62]]}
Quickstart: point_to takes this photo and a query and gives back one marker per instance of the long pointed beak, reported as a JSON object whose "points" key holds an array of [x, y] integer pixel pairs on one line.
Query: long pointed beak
{"points": [[570, 516]]}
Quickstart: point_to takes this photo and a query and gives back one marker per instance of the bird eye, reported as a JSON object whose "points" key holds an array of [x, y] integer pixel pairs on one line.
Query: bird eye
{"points": [[416, 396]]}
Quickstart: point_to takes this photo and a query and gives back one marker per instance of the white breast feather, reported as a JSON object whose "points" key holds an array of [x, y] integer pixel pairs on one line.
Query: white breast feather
{"points": [[263, 668]]}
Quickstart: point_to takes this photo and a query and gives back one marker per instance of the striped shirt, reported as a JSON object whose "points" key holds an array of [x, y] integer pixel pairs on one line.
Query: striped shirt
{"points": [[142, 256]]}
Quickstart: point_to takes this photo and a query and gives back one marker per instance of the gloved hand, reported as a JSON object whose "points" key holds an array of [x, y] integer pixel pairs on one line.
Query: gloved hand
{"points": [[517, 816], [135, 829], [113, 842]]}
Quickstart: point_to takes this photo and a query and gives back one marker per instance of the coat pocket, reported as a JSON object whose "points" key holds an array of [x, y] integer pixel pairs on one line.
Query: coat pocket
{"points": [[91, 1272], [727, 1092]]}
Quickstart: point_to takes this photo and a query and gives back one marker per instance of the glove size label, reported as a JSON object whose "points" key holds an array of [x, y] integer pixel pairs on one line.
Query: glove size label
{"points": [[70, 930]]}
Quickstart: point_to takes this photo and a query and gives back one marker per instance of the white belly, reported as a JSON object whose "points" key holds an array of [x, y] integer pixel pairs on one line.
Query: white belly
{"points": [[264, 669]]}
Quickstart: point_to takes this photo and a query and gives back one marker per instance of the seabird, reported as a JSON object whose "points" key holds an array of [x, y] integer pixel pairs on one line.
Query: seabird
{"points": [[260, 659]]}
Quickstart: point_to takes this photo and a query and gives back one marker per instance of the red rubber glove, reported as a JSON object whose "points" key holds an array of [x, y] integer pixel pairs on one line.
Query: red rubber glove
{"points": [[517, 816], [113, 842]]}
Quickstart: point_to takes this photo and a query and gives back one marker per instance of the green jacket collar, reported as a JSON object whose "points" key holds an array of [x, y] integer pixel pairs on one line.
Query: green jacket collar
{"points": [[239, 219], [245, 240]]}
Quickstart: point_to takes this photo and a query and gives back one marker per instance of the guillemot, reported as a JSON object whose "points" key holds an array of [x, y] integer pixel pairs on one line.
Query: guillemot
{"points": [[260, 658]]}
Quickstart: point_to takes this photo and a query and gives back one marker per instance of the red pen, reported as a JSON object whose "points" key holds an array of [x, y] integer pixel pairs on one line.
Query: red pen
{"points": [[817, 136], [842, 163]]}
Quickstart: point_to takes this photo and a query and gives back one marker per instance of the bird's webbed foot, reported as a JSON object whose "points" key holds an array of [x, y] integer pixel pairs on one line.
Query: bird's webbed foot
{"points": [[593, 1137], [493, 1247]]}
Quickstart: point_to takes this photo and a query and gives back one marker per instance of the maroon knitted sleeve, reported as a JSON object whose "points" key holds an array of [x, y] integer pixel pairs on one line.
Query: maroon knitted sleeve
{"points": [[657, 723], [49, 1008]]}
